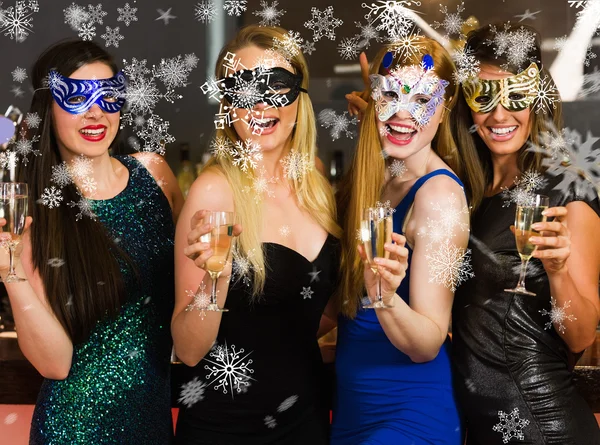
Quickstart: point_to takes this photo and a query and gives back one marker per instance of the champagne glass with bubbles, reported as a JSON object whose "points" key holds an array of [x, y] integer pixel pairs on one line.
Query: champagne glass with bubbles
{"points": [[219, 238], [376, 230], [528, 213], [13, 208]]}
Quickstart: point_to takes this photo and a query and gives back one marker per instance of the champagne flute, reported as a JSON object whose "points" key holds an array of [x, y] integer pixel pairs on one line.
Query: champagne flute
{"points": [[219, 238], [13, 208], [376, 230], [527, 214]]}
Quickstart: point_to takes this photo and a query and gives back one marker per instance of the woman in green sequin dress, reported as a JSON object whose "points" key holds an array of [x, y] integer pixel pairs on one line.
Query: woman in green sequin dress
{"points": [[93, 316]]}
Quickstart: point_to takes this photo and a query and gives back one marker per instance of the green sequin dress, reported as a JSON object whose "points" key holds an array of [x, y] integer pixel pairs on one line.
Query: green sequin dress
{"points": [[118, 388]]}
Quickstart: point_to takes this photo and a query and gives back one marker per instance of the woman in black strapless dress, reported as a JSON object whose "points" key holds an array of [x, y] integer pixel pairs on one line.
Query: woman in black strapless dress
{"points": [[255, 373], [513, 354]]}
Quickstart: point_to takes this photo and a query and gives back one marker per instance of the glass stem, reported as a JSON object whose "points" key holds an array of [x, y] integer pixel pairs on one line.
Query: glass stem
{"points": [[214, 276], [11, 256], [379, 296], [521, 283]]}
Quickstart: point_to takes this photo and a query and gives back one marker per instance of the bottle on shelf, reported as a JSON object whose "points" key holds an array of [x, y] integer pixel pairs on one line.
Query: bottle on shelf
{"points": [[186, 174]]}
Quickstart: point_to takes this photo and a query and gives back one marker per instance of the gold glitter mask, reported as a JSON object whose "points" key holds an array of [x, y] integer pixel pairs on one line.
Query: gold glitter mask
{"points": [[514, 93]]}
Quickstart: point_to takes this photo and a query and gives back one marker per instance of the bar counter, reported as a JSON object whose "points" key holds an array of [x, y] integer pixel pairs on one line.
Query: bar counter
{"points": [[20, 382]]}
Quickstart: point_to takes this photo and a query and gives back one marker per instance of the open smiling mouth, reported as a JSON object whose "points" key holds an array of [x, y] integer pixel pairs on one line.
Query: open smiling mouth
{"points": [[400, 132]]}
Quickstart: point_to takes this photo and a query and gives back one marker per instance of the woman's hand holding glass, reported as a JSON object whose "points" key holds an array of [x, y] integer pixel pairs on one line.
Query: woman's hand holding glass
{"points": [[209, 246], [554, 242], [391, 271]]}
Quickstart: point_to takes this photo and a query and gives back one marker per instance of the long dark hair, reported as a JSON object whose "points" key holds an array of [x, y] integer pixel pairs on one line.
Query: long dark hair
{"points": [[478, 45], [89, 286]]}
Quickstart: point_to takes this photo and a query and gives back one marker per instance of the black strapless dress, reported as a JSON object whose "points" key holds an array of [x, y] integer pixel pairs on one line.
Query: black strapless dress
{"points": [[263, 381], [513, 377]]}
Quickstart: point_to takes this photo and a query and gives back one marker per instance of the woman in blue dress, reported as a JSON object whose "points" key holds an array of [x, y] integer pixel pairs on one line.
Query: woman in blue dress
{"points": [[394, 383], [93, 313]]}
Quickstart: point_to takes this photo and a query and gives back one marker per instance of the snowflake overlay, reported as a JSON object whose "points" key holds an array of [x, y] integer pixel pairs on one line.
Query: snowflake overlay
{"points": [[323, 23], [522, 194], [307, 293], [270, 421], [296, 165], [338, 124], [192, 392], [228, 368], [127, 14], [558, 315], [205, 11], [51, 197], [285, 231], [235, 7], [112, 37], [289, 46], [513, 45], [269, 14], [287, 403], [15, 21], [391, 17], [511, 425], [246, 154], [19, 74], [449, 265], [397, 168], [349, 48], [452, 23]]}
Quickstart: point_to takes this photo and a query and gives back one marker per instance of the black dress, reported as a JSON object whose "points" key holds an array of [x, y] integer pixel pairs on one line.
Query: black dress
{"points": [[513, 373], [263, 381]]}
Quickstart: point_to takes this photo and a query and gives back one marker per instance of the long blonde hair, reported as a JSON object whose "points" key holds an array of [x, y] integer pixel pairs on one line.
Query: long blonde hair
{"points": [[363, 185], [312, 190]]}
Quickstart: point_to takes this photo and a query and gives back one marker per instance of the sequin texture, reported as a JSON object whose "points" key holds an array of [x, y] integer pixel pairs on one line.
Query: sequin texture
{"points": [[118, 389]]}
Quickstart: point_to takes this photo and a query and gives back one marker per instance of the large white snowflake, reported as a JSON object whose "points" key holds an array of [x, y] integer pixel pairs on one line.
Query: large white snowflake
{"points": [[206, 11], [408, 45], [558, 315], [452, 23], [269, 14], [323, 23], [246, 154], [112, 37], [75, 16], [19, 74], [127, 14], [467, 66], [192, 392], [510, 425], [23, 146], [451, 218], [349, 48], [228, 368], [338, 124], [296, 165], [391, 17], [289, 45], [156, 135], [17, 20], [220, 147], [80, 168], [235, 7], [174, 72], [51, 197], [523, 193], [449, 265], [260, 186]]}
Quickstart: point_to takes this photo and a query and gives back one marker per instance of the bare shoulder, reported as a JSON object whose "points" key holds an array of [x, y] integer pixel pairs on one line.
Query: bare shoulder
{"points": [[440, 190], [211, 190], [154, 163]]}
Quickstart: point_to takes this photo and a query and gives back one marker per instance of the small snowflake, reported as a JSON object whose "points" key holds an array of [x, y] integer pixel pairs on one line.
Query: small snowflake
{"points": [[307, 293], [51, 197], [467, 65], [87, 31], [173, 72], [449, 265], [522, 194], [246, 154], [270, 421], [96, 14], [546, 97], [511, 425], [349, 48], [192, 392], [408, 46], [338, 124], [453, 22], [387, 208], [23, 147], [314, 275], [200, 300], [285, 231], [515, 46], [229, 368], [56, 262], [235, 7], [206, 11], [289, 45], [112, 37], [88, 185], [451, 218], [260, 186], [308, 47], [220, 147], [557, 315], [33, 120], [191, 60], [390, 16], [287, 403], [127, 14], [84, 207], [81, 167], [19, 74], [269, 14], [532, 180], [323, 23], [397, 168], [296, 165]]}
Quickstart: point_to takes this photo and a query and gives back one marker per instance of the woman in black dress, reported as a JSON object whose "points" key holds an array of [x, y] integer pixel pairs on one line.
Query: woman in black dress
{"points": [[256, 372], [513, 353]]}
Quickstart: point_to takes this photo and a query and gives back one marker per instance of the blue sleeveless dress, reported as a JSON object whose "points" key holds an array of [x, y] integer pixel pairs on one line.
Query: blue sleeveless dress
{"points": [[382, 397], [118, 388]]}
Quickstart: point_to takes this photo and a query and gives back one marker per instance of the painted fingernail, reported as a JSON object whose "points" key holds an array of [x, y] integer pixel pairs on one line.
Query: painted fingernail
{"points": [[377, 260], [534, 239], [546, 212], [536, 226]]}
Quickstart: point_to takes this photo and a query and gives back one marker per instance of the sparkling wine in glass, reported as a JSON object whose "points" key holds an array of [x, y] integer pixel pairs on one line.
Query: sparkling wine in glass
{"points": [[13, 208], [376, 231], [219, 238], [527, 215]]}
